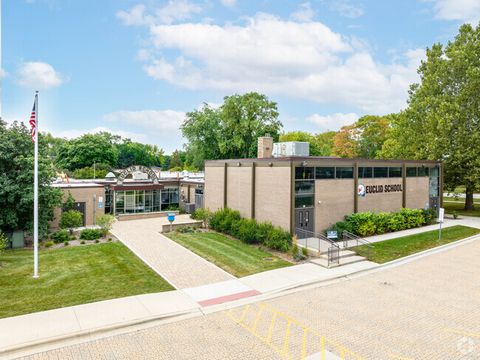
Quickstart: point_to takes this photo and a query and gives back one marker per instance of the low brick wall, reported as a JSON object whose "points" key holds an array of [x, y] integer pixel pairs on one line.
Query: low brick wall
{"points": [[193, 223], [124, 217]]}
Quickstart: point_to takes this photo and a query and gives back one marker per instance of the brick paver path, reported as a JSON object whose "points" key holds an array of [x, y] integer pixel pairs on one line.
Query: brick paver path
{"points": [[179, 266], [426, 309]]}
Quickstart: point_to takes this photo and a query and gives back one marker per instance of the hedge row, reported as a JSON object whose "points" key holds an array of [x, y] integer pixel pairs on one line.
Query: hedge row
{"points": [[230, 222], [369, 223]]}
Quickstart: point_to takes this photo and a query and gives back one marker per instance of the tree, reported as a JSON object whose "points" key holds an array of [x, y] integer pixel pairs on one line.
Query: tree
{"points": [[232, 130], [134, 153], [98, 171], [83, 151], [105, 222], [320, 144], [442, 120], [176, 161], [16, 180], [71, 219], [346, 142], [324, 143]]}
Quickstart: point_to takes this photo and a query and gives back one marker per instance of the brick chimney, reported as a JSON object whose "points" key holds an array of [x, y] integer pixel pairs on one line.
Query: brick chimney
{"points": [[265, 147]]}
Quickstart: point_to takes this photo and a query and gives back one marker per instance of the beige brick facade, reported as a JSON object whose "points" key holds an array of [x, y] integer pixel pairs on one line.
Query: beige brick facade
{"points": [[333, 200], [214, 176], [239, 189], [417, 192], [88, 195]]}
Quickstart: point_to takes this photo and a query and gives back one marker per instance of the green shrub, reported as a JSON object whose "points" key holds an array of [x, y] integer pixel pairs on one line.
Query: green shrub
{"points": [[455, 214], [82, 242], [305, 252], [202, 214], [66, 243], [60, 236], [185, 229], [91, 234], [223, 219], [71, 219], [381, 222], [263, 229], [246, 230], [429, 216], [412, 217], [3, 242], [396, 222], [109, 239], [278, 239], [97, 241], [49, 244], [105, 222]]}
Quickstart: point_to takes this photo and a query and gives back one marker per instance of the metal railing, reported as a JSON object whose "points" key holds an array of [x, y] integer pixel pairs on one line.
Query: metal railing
{"points": [[333, 249], [348, 236]]}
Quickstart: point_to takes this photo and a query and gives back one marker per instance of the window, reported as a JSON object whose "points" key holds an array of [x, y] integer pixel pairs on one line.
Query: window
{"points": [[423, 171], [119, 202], [304, 173], [304, 200], [380, 172], [344, 173], [434, 171], [365, 172], [304, 187], [411, 171], [325, 172], [395, 172]]}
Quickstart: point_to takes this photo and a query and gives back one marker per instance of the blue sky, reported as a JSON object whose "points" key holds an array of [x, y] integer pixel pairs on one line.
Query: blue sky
{"points": [[135, 67]]}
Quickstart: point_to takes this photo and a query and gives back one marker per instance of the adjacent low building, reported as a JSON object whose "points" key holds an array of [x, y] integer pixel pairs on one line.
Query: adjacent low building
{"points": [[312, 193]]}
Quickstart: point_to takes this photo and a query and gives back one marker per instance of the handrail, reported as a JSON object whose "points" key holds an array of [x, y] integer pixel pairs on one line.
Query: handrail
{"points": [[319, 236], [358, 239]]}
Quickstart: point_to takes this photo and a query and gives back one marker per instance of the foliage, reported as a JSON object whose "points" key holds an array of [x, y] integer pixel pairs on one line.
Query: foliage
{"points": [[3, 242], [16, 180], [364, 138], [83, 151], [320, 144], [230, 131], [442, 120], [99, 171], [49, 244], [66, 243], [133, 153], [202, 214], [60, 236], [105, 221], [71, 219], [370, 223], [455, 214], [82, 242], [185, 229], [91, 234], [249, 230], [69, 203]]}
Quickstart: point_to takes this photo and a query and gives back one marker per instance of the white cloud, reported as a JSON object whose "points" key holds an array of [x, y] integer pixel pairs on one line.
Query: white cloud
{"points": [[304, 13], [155, 121], [3, 73], [346, 9], [304, 60], [229, 3], [174, 10], [333, 121], [38, 75], [462, 10]]}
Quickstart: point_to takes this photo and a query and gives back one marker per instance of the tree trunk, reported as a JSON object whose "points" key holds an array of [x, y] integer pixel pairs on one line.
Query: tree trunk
{"points": [[469, 198]]}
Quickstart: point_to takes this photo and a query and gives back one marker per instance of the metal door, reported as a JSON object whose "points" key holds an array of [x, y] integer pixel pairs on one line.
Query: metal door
{"points": [[304, 222], [80, 206]]}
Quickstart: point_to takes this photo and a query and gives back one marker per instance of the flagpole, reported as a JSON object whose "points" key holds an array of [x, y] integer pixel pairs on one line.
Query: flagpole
{"points": [[35, 195]]}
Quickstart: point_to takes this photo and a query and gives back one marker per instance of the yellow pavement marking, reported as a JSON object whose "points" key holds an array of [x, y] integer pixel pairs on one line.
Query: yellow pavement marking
{"points": [[287, 351]]}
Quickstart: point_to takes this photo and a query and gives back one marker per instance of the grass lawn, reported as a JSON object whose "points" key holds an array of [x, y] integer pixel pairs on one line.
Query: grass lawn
{"points": [[451, 205], [72, 276], [234, 256], [396, 248]]}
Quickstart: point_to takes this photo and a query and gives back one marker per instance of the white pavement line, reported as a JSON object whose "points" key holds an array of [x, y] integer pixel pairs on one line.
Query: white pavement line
{"points": [[198, 256], [146, 262]]}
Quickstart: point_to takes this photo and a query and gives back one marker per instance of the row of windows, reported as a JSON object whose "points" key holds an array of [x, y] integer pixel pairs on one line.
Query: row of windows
{"points": [[346, 172], [142, 201]]}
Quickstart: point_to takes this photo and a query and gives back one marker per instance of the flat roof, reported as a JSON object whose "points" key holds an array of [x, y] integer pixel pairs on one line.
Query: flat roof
{"points": [[319, 158]]}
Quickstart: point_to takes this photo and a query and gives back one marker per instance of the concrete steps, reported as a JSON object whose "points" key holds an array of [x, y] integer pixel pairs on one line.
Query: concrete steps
{"points": [[345, 257]]}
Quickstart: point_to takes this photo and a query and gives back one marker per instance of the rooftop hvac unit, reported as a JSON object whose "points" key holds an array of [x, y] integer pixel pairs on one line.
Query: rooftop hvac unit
{"points": [[291, 148]]}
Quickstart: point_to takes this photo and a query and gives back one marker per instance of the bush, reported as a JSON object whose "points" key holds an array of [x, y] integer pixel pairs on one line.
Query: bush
{"points": [[105, 222], [202, 214], [66, 243], [263, 229], [246, 230], [278, 239], [60, 236], [369, 223], [185, 229], [305, 252], [97, 241], [455, 214], [71, 219], [91, 234], [223, 219], [82, 242], [49, 244], [3, 242]]}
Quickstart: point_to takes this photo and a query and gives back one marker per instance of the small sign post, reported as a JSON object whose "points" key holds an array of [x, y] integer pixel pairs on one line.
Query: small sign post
{"points": [[332, 234], [441, 215], [171, 219]]}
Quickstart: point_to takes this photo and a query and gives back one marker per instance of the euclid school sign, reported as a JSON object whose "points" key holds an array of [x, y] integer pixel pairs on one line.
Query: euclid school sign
{"points": [[376, 189]]}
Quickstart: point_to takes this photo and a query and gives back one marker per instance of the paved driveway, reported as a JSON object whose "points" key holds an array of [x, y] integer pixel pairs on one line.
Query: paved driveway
{"points": [[179, 266], [426, 309]]}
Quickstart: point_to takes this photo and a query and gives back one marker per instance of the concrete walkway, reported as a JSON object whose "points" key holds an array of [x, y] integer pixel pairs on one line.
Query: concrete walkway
{"points": [[176, 264]]}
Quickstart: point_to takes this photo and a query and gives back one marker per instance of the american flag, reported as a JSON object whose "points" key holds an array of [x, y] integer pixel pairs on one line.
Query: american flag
{"points": [[33, 120]]}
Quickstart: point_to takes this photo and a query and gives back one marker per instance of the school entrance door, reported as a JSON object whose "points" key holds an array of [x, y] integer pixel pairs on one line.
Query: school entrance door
{"points": [[304, 222]]}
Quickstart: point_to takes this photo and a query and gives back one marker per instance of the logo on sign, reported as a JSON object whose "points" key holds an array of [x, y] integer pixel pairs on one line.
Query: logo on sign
{"points": [[361, 190]]}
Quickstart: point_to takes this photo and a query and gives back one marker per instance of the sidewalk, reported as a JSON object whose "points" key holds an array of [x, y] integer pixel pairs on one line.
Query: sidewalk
{"points": [[60, 324], [176, 264]]}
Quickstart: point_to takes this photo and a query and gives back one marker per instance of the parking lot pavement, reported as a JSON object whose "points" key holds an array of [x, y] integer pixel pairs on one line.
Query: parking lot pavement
{"points": [[424, 309]]}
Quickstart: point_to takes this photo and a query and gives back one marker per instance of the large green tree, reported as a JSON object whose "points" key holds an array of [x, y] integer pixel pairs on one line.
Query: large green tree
{"points": [[232, 130], [131, 153], [442, 120], [320, 144], [83, 151], [16, 180]]}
